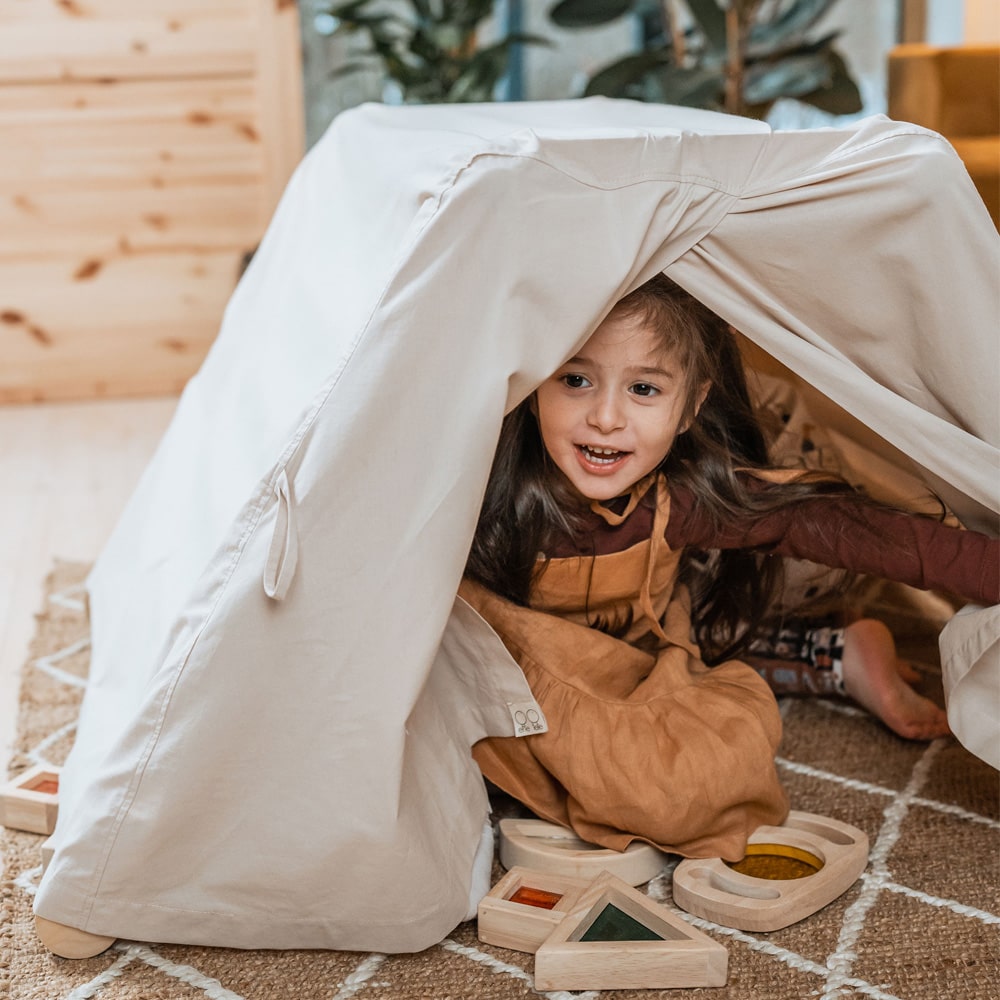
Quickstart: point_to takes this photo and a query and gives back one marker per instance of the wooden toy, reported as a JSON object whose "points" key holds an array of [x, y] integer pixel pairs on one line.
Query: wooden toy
{"points": [[614, 937], [525, 907], [789, 872], [68, 942], [31, 800], [548, 847]]}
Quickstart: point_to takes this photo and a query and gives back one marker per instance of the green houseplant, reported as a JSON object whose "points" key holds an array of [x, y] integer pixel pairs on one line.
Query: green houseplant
{"points": [[739, 56], [429, 48]]}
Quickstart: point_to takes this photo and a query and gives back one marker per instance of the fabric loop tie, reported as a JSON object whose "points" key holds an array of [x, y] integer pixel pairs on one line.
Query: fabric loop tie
{"points": [[283, 555]]}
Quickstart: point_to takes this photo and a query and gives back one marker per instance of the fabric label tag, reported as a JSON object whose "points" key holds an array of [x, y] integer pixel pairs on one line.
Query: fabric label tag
{"points": [[528, 718]]}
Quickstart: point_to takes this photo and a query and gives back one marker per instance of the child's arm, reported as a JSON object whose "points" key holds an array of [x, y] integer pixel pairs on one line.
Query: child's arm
{"points": [[850, 533]]}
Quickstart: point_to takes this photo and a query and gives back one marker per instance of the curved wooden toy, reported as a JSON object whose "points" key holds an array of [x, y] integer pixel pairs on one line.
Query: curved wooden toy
{"points": [[814, 858], [548, 847], [68, 942]]}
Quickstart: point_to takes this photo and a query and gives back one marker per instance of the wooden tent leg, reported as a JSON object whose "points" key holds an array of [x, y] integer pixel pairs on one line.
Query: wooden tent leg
{"points": [[68, 942]]}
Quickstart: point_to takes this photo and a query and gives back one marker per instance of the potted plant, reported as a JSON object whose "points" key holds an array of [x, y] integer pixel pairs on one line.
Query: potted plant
{"points": [[739, 56], [428, 49]]}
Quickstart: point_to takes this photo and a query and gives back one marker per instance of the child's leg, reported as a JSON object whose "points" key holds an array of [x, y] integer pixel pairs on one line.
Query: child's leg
{"points": [[803, 656], [872, 677]]}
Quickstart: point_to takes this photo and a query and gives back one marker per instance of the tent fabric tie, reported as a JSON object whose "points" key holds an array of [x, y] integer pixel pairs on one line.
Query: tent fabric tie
{"points": [[283, 555]]}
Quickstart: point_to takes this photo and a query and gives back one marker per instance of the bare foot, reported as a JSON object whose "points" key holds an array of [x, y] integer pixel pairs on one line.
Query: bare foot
{"points": [[875, 679], [907, 671]]}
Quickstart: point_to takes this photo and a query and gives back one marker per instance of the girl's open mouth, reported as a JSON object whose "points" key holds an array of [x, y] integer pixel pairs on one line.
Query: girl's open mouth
{"points": [[603, 458]]}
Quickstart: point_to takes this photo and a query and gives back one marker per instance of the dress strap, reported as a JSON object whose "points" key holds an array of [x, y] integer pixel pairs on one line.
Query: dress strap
{"points": [[655, 542], [638, 491]]}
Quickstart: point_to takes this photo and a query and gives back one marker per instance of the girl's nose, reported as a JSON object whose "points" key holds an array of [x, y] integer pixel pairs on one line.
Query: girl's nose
{"points": [[606, 413]]}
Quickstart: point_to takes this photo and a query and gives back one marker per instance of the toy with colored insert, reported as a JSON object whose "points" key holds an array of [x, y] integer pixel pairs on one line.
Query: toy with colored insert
{"points": [[31, 800], [789, 872]]}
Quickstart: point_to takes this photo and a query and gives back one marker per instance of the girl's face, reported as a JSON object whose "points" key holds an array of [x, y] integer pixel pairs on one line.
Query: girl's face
{"points": [[610, 415]]}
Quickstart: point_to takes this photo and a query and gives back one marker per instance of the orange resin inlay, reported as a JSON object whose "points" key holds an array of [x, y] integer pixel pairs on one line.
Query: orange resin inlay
{"points": [[50, 786], [536, 897]]}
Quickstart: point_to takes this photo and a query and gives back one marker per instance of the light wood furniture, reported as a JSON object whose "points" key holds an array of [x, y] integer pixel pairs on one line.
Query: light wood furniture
{"points": [[955, 91], [616, 938], [548, 847], [31, 800], [813, 860], [145, 146], [525, 907], [68, 942]]}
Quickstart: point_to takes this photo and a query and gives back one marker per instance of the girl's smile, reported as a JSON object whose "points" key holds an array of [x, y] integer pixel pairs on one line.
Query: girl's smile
{"points": [[601, 461], [610, 415]]}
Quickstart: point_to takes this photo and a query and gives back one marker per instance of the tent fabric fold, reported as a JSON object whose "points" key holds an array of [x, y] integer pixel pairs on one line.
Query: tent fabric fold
{"points": [[274, 748]]}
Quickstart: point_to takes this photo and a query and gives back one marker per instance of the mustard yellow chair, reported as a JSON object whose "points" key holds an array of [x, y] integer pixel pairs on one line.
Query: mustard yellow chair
{"points": [[954, 91]]}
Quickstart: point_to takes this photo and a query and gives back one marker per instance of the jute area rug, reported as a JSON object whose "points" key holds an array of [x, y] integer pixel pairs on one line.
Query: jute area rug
{"points": [[921, 924]]}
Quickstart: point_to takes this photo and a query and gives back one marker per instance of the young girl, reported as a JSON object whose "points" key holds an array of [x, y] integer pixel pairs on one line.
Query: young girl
{"points": [[609, 483]]}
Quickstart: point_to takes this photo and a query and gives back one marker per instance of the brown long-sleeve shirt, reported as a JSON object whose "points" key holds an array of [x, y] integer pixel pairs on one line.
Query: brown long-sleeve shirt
{"points": [[839, 531]]}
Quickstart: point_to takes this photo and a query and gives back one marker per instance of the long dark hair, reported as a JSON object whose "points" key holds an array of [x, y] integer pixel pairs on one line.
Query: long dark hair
{"points": [[528, 501]]}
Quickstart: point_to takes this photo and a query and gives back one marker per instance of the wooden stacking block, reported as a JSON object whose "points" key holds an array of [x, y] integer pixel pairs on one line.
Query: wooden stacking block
{"points": [[789, 872], [615, 938], [548, 847], [31, 800], [525, 907]]}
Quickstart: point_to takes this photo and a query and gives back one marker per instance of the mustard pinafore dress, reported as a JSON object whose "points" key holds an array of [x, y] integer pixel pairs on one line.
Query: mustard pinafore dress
{"points": [[645, 742]]}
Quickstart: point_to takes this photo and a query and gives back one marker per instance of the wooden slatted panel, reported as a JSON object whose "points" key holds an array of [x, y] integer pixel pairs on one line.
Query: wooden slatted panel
{"points": [[133, 179], [130, 166], [60, 40], [141, 324]]}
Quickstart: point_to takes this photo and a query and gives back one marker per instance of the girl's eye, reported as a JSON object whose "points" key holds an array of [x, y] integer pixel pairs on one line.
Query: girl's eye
{"points": [[644, 389], [574, 381]]}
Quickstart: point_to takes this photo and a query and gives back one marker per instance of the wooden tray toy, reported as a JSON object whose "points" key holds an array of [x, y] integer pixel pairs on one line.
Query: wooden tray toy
{"points": [[614, 937], [525, 907], [31, 800], [548, 847], [789, 872]]}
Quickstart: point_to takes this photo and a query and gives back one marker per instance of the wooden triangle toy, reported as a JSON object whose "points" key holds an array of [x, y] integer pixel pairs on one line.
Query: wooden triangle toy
{"points": [[614, 937]]}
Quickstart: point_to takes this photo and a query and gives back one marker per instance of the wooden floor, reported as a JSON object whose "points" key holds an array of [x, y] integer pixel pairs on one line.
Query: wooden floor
{"points": [[67, 470]]}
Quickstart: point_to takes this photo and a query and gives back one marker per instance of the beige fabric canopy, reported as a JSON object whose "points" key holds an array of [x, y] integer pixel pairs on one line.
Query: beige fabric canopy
{"points": [[274, 746]]}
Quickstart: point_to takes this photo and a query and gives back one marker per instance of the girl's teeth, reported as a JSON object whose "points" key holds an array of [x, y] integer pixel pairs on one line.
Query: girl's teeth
{"points": [[601, 456]]}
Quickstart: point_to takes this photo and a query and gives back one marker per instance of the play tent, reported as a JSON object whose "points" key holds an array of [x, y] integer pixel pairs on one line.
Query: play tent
{"points": [[273, 750]]}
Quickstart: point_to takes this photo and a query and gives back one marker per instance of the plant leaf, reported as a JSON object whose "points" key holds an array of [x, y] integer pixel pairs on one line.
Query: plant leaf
{"points": [[374, 24], [841, 96], [615, 79], [481, 73], [711, 19], [344, 10], [354, 66], [526, 38], [694, 87], [790, 76], [588, 13], [792, 23]]}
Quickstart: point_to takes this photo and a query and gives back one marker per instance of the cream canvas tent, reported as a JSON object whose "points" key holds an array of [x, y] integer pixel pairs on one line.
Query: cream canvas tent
{"points": [[278, 656]]}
